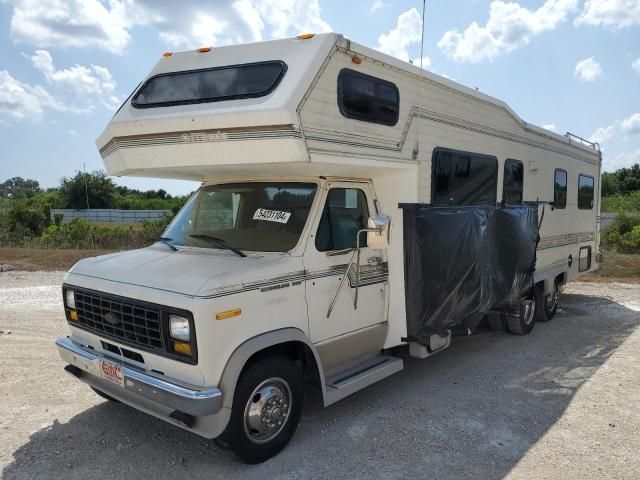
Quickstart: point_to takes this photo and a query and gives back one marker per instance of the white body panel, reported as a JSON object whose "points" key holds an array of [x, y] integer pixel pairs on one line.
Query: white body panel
{"points": [[297, 133]]}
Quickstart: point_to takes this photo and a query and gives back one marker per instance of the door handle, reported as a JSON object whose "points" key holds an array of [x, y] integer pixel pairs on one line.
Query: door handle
{"points": [[374, 261]]}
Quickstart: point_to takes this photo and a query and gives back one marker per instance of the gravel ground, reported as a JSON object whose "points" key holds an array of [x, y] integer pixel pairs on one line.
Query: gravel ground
{"points": [[559, 403]]}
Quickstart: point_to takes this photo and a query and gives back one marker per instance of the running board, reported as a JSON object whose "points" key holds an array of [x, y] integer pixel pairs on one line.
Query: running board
{"points": [[345, 383]]}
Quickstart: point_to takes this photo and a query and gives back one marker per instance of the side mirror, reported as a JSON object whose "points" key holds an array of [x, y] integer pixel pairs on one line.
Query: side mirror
{"points": [[378, 232]]}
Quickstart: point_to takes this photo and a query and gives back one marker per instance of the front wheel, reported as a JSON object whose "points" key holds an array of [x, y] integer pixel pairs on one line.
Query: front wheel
{"points": [[521, 320], [266, 410]]}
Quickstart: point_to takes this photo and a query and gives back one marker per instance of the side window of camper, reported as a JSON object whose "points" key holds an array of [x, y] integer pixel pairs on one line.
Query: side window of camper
{"points": [[345, 212], [513, 183], [462, 178], [367, 98], [560, 189], [585, 192]]}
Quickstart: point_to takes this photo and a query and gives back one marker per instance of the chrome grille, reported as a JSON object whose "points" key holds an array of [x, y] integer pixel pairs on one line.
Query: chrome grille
{"points": [[121, 318]]}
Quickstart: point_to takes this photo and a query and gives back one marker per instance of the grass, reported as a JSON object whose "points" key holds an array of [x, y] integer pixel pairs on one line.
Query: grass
{"points": [[33, 259], [616, 267]]}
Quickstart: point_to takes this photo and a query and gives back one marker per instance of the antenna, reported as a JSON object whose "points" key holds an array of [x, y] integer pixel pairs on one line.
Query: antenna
{"points": [[417, 150]]}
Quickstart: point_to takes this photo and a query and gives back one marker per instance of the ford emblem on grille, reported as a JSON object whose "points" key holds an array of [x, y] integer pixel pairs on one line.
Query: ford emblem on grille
{"points": [[112, 318]]}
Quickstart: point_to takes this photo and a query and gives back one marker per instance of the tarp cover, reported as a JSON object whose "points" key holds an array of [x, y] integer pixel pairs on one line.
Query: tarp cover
{"points": [[461, 262]]}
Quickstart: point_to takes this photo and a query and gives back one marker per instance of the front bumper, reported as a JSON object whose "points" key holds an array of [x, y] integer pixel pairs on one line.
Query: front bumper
{"points": [[137, 384]]}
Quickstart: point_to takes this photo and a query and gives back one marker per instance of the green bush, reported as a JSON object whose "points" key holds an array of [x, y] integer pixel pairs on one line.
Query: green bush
{"points": [[621, 203], [623, 235]]}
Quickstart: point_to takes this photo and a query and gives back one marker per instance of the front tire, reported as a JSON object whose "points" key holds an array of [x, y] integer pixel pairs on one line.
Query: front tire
{"points": [[266, 410], [522, 319]]}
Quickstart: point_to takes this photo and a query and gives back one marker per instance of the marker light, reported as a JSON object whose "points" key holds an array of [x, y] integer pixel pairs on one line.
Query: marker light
{"points": [[204, 49], [356, 60], [182, 347], [167, 54], [306, 36], [228, 314]]}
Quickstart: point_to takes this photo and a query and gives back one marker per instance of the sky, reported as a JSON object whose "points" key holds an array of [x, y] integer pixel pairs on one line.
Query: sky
{"points": [[66, 66]]}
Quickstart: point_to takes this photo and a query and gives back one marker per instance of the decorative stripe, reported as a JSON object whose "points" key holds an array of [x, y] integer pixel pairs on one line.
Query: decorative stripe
{"points": [[563, 240]]}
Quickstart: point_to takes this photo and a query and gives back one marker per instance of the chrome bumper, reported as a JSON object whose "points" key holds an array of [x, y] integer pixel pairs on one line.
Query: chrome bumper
{"points": [[191, 401]]}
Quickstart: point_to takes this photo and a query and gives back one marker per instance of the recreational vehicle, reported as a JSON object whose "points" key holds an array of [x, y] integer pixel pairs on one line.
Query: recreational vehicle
{"points": [[354, 210]]}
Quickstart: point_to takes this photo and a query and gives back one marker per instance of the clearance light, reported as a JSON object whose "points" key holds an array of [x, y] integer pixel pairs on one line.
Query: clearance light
{"points": [[73, 315], [356, 60], [182, 347], [306, 36], [228, 314], [167, 54], [204, 49]]}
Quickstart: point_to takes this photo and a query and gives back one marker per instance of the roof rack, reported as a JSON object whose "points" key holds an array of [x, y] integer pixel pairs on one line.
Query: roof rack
{"points": [[582, 141]]}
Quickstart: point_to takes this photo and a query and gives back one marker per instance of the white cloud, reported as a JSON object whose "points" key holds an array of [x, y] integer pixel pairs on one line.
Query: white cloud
{"points": [[71, 23], [621, 160], [22, 101], [85, 83], [72, 133], [614, 14], [509, 27], [377, 5], [636, 65], [631, 125], [108, 24], [550, 126], [408, 31], [604, 134], [426, 62], [588, 69]]}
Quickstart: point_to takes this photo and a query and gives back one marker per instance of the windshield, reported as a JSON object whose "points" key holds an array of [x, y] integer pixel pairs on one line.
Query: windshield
{"points": [[262, 217]]}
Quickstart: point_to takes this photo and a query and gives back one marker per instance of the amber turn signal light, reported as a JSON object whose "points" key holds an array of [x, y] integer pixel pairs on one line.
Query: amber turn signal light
{"points": [[228, 314], [73, 315], [182, 347]]}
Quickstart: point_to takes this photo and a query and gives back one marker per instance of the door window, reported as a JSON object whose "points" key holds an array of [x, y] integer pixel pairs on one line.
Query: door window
{"points": [[345, 212], [513, 182], [560, 189]]}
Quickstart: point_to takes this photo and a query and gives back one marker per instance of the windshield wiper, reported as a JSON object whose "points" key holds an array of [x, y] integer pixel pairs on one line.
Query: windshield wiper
{"points": [[219, 242], [166, 241]]}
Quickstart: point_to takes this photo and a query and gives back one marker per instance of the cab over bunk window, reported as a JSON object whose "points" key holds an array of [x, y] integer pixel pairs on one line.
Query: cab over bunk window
{"points": [[367, 98], [345, 213], [513, 182], [585, 192], [560, 189], [231, 82], [463, 178]]}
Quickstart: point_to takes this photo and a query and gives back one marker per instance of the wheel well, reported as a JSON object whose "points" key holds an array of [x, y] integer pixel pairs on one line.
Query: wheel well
{"points": [[297, 352]]}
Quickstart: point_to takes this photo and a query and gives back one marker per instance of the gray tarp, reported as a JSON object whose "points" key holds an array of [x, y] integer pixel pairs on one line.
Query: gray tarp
{"points": [[461, 262]]}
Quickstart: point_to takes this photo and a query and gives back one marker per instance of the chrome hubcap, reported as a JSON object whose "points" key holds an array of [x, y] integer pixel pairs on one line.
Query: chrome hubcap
{"points": [[553, 298], [267, 410], [527, 309]]}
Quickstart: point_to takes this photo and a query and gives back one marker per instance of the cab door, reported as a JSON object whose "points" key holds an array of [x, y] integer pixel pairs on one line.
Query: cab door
{"points": [[346, 209]]}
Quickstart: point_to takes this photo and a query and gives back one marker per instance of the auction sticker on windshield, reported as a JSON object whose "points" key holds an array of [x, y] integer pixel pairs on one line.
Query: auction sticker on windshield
{"points": [[271, 215], [111, 371]]}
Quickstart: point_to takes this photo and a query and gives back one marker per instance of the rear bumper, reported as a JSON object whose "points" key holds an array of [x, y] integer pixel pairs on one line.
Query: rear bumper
{"points": [[140, 387]]}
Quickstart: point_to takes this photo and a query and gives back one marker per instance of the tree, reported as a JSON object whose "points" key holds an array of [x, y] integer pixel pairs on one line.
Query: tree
{"points": [[17, 187], [96, 185]]}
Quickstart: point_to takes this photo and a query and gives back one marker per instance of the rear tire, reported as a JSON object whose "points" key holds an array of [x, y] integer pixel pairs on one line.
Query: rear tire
{"points": [[105, 396], [266, 410], [547, 305], [522, 319]]}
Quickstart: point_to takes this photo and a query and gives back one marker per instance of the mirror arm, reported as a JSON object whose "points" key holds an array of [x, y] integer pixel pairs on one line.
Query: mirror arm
{"points": [[364, 230]]}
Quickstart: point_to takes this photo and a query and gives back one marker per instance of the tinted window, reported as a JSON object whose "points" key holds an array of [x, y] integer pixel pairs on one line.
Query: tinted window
{"points": [[513, 182], [560, 189], [345, 212], [461, 178], [585, 192], [367, 98], [210, 85]]}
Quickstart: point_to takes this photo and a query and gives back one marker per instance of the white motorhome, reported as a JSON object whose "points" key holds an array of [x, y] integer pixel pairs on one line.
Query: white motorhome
{"points": [[263, 280]]}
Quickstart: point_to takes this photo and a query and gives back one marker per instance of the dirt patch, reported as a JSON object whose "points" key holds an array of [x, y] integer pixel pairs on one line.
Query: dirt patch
{"points": [[33, 259]]}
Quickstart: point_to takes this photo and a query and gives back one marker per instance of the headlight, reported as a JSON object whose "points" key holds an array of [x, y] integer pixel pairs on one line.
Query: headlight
{"points": [[70, 299], [179, 328]]}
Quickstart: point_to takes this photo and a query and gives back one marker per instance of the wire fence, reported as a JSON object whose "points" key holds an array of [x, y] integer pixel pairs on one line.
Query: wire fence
{"points": [[108, 215]]}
